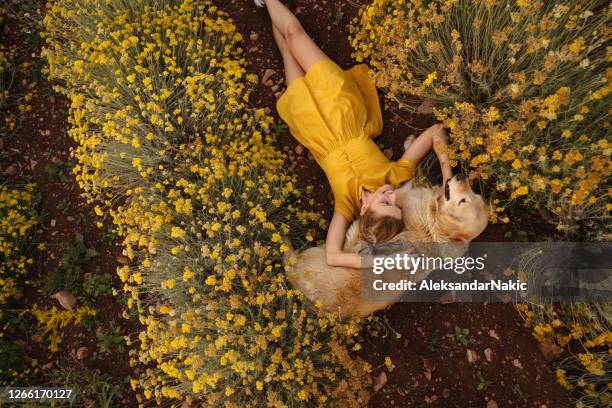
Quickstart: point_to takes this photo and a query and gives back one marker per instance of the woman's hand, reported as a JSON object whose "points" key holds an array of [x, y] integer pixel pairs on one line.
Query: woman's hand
{"points": [[334, 255], [435, 136]]}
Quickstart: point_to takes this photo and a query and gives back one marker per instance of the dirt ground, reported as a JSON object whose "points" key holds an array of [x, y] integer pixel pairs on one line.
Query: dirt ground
{"points": [[429, 363]]}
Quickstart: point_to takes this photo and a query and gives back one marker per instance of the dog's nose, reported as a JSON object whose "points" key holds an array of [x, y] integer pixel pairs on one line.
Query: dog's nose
{"points": [[459, 177]]}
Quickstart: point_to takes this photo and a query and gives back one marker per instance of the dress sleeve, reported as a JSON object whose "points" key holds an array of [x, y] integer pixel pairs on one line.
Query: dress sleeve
{"points": [[401, 171], [344, 208]]}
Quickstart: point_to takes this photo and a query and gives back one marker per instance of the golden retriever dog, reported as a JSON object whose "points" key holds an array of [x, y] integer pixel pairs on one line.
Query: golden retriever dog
{"points": [[449, 213]]}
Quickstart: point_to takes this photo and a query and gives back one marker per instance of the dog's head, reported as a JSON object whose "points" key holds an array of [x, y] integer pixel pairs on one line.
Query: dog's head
{"points": [[461, 214]]}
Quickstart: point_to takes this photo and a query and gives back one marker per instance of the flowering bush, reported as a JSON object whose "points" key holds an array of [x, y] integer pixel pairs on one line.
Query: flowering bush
{"points": [[585, 331], [202, 199], [521, 85], [18, 225]]}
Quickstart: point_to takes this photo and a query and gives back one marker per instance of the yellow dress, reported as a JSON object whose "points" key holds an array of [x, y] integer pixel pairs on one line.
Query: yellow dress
{"points": [[335, 114]]}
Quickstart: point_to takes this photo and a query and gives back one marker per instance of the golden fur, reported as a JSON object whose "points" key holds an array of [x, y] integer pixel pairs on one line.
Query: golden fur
{"points": [[429, 217]]}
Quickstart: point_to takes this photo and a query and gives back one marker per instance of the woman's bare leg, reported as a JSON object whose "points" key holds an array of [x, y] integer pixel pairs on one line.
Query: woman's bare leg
{"points": [[303, 49], [293, 69]]}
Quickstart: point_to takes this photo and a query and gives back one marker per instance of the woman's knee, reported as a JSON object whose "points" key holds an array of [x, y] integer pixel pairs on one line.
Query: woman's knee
{"points": [[293, 29]]}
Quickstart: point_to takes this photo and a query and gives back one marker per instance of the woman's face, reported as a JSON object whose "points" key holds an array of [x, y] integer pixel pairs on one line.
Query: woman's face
{"points": [[382, 202]]}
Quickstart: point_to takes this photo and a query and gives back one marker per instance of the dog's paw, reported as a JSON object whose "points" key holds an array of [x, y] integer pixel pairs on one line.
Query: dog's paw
{"points": [[409, 140]]}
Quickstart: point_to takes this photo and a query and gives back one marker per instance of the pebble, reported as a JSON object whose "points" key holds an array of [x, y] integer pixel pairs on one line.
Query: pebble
{"points": [[65, 299], [492, 404], [267, 110], [299, 149], [488, 354], [493, 334], [471, 355], [267, 75], [11, 170], [254, 36], [517, 363], [380, 381], [81, 353]]}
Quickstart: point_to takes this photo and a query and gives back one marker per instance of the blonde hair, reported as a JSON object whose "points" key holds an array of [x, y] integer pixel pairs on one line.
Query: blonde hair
{"points": [[374, 228]]}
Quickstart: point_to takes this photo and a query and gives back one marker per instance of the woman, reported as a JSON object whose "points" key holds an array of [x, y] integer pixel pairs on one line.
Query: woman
{"points": [[335, 114]]}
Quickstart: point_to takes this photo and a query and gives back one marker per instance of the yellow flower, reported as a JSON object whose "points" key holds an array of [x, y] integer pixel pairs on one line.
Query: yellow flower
{"points": [[430, 78], [388, 362]]}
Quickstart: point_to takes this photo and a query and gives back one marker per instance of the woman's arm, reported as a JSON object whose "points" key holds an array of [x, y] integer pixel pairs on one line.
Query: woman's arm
{"points": [[334, 255], [433, 137]]}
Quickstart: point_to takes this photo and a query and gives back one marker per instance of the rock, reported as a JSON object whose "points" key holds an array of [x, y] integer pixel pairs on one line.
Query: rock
{"points": [[267, 75], [254, 36], [447, 298], [492, 404], [33, 164], [81, 353], [53, 222], [269, 83], [446, 393], [275, 88], [123, 260], [517, 364], [425, 108], [471, 355], [253, 49], [388, 153], [70, 218], [267, 110], [493, 334], [299, 149], [488, 354], [380, 381], [278, 94], [427, 364], [10, 170], [65, 299], [551, 352]]}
